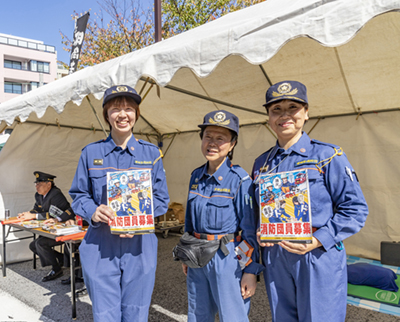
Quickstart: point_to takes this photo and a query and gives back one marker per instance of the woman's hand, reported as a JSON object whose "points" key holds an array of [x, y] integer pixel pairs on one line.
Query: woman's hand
{"points": [[248, 285], [261, 243], [126, 236], [185, 269], [102, 214], [300, 249]]}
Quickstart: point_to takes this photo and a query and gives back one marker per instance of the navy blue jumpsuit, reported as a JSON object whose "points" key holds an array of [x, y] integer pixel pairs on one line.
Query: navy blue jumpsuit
{"points": [[119, 272], [220, 204], [313, 287]]}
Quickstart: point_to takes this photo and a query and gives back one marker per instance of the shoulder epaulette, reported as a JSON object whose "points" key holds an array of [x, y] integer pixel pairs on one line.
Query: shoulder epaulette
{"points": [[325, 143], [337, 151], [240, 172], [93, 143], [147, 143], [198, 168]]}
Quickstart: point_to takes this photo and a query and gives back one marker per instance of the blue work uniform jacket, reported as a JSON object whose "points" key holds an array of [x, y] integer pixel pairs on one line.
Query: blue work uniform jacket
{"points": [[221, 204], [89, 187], [338, 206]]}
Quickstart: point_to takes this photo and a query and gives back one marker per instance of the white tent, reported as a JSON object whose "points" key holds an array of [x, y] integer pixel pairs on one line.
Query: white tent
{"points": [[345, 51]]}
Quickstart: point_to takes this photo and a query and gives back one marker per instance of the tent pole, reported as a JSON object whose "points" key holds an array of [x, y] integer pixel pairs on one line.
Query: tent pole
{"points": [[319, 119], [3, 128], [346, 84], [273, 134], [97, 117], [173, 138], [265, 74]]}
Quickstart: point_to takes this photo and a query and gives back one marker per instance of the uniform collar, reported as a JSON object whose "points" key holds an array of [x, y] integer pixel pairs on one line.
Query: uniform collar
{"points": [[131, 146], [221, 173], [301, 147]]}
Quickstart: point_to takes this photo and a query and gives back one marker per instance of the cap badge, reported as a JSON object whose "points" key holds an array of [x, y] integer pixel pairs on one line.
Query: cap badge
{"points": [[219, 118], [37, 175], [285, 89], [122, 89]]}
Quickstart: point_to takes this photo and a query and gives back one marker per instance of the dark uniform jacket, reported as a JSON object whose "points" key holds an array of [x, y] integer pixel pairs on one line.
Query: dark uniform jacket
{"points": [[56, 198]]}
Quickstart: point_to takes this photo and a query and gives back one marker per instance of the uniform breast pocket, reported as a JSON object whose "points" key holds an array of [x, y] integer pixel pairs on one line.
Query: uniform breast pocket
{"points": [[98, 178], [218, 210], [316, 185]]}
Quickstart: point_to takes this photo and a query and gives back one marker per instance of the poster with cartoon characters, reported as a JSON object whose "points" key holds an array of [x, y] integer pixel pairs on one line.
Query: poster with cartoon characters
{"points": [[285, 213], [129, 195]]}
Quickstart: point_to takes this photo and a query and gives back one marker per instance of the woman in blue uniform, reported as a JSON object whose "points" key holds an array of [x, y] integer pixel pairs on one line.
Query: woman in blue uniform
{"points": [[119, 270], [308, 282], [219, 204]]}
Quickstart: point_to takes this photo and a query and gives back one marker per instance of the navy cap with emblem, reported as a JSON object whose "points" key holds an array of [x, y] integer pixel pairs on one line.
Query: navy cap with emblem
{"points": [[41, 176], [121, 90], [286, 90], [223, 119]]}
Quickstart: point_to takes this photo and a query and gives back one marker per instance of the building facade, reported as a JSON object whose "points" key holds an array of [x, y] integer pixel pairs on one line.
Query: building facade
{"points": [[25, 64]]}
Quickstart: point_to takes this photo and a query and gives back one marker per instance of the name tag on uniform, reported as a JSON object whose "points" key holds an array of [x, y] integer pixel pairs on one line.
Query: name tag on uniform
{"points": [[304, 162], [143, 162], [98, 162], [222, 189]]}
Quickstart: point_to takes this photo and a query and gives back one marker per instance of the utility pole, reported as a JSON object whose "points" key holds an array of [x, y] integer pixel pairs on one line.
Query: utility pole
{"points": [[157, 20]]}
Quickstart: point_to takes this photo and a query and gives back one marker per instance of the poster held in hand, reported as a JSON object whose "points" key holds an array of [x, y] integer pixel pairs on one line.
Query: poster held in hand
{"points": [[285, 213], [130, 196]]}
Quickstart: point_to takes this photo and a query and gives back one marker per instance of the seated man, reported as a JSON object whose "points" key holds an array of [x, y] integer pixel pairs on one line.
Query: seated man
{"points": [[48, 195]]}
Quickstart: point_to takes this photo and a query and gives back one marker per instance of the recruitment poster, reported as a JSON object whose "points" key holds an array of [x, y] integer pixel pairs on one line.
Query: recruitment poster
{"points": [[129, 195], [285, 212]]}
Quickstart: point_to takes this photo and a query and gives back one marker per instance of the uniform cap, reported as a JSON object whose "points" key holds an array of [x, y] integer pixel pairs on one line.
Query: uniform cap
{"points": [[41, 176], [286, 90], [221, 118], [121, 90]]}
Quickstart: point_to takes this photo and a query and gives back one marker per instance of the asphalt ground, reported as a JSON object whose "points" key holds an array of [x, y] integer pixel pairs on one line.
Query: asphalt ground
{"points": [[24, 298]]}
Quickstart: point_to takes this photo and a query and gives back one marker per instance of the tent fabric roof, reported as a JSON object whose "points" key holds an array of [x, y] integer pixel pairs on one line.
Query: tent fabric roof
{"points": [[345, 60]]}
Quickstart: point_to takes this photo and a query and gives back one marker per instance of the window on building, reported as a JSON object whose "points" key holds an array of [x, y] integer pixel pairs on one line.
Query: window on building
{"points": [[14, 88], [39, 66], [12, 64], [34, 85]]}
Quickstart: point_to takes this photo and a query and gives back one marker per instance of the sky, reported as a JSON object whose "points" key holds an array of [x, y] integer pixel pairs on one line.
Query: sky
{"points": [[44, 19]]}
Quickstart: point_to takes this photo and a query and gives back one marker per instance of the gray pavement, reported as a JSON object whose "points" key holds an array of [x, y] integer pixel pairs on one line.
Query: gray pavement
{"points": [[24, 298]]}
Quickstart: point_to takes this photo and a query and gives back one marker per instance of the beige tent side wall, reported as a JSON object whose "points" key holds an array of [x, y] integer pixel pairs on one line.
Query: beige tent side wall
{"points": [[371, 143]]}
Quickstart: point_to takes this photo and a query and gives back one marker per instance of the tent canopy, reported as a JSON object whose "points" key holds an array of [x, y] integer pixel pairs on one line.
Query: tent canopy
{"points": [[344, 51], [230, 62]]}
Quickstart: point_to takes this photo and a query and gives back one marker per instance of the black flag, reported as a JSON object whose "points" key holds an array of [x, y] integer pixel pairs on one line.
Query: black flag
{"points": [[79, 34]]}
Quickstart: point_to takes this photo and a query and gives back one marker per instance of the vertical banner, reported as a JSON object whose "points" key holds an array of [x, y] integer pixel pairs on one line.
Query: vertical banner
{"points": [[79, 35]]}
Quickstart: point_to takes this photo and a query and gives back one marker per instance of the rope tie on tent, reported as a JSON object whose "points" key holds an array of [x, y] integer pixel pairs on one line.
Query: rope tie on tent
{"points": [[58, 124], [325, 162], [359, 113], [93, 129]]}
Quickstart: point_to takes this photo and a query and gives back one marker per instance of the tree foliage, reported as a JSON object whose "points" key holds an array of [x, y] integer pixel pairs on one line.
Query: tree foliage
{"points": [[130, 27]]}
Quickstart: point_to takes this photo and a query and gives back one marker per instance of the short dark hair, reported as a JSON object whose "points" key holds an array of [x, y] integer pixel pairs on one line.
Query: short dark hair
{"points": [[305, 105], [234, 137]]}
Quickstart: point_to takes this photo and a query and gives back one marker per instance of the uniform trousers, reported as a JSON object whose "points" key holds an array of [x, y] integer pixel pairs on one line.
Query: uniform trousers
{"points": [[43, 247], [310, 287], [216, 288], [119, 274]]}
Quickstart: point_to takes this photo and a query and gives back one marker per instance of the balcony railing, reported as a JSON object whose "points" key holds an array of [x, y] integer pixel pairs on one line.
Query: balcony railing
{"points": [[27, 44]]}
